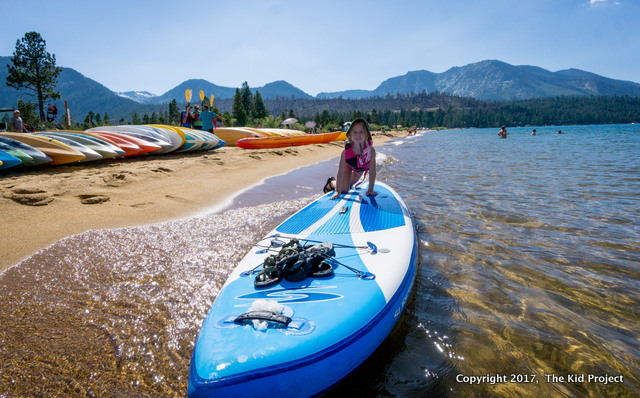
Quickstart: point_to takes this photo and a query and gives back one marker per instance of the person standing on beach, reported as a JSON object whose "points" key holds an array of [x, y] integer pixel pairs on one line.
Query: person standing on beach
{"points": [[197, 123], [208, 119], [503, 132], [357, 160], [16, 122], [186, 118]]}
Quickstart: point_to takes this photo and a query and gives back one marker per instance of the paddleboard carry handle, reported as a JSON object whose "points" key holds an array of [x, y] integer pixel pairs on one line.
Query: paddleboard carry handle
{"points": [[281, 320]]}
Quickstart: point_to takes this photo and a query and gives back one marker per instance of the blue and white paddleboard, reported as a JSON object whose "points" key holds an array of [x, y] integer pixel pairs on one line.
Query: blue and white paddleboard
{"points": [[332, 324]]}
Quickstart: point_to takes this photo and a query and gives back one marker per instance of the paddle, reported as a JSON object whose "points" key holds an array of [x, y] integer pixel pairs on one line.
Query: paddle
{"points": [[201, 95], [187, 95], [211, 101]]}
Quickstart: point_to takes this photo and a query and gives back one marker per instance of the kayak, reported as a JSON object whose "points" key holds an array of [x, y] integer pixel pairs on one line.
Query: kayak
{"points": [[38, 157], [56, 150], [287, 324], [232, 134], [7, 160], [284, 141], [89, 154]]}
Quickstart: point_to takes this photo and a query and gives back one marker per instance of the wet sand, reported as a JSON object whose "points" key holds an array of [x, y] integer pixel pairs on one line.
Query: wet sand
{"points": [[40, 206]]}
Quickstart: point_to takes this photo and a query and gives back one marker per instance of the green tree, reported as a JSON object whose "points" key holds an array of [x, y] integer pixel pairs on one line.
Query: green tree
{"points": [[105, 119], [246, 97], [34, 69], [259, 110], [27, 113], [174, 112], [239, 112]]}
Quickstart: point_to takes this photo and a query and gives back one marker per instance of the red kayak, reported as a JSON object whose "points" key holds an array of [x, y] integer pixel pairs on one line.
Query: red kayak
{"points": [[143, 146]]}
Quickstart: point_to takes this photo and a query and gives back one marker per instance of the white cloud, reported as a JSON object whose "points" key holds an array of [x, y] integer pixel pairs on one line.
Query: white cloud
{"points": [[596, 3]]}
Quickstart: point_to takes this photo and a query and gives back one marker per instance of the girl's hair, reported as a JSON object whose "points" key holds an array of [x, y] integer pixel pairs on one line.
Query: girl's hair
{"points": [[366, 126]]}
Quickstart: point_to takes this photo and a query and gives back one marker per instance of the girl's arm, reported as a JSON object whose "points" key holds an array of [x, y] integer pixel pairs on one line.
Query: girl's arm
{"points": [[339, 178], [372, 173]]}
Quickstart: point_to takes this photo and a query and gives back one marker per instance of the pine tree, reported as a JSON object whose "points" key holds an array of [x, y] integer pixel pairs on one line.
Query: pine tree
{"points": [[246, 98], [174, 112], [34, 69], [239, 112], [27, 113], [259, 110]]}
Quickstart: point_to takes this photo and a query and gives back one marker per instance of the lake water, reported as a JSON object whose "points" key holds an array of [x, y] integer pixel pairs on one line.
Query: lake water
{"points": [[528, 282]]}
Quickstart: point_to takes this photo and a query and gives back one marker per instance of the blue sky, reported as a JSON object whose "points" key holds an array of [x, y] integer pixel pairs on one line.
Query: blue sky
{"points": [[322, 45]]}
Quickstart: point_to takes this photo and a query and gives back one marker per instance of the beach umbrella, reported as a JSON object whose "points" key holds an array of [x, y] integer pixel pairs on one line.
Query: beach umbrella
{"points": [[291, 120], [310, 124]]}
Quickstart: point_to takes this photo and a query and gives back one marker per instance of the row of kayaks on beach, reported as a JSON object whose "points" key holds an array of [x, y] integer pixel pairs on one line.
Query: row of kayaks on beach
{"points": [[258, 138], [58, 147]]}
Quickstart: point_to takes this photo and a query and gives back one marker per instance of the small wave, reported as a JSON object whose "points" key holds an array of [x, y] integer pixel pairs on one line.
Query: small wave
{"points": [[384, 159]]}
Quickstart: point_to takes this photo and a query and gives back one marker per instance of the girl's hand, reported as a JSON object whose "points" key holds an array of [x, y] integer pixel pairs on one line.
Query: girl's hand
{"points": [[371, 193]]}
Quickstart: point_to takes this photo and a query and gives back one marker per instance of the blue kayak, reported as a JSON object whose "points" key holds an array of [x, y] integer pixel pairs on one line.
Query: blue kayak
{"points": [[8, 160], [299, 331]]}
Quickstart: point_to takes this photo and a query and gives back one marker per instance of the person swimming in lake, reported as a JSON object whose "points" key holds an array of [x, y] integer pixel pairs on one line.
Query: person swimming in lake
{"points": [[503, 132], [356, 161], [559, 132], [533, 132]]}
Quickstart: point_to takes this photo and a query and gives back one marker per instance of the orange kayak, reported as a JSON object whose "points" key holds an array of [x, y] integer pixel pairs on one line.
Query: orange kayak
{"points": [[292, 140]]}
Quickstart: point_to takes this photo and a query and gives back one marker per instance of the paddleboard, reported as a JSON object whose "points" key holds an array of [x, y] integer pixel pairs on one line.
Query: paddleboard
{"points": [[210, 140], [319, 329], [193, 140]]}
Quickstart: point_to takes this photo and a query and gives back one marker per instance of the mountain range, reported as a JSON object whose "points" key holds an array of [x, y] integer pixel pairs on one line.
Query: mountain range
{"points": [[486, 80]]}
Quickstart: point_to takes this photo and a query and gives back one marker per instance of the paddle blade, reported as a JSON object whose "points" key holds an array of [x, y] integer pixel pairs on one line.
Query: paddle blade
{"points": [[187, 95], [201, 95], [211, 101]]}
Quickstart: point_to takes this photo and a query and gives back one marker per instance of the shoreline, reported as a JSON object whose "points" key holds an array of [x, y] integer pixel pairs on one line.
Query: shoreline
{"points": [[39, 207]]}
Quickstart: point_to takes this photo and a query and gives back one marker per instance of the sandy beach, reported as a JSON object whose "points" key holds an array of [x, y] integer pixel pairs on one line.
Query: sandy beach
{"points": [[38, 207]]}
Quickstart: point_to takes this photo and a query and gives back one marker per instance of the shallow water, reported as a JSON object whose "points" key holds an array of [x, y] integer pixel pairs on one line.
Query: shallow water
{"points": [[529, 266]]}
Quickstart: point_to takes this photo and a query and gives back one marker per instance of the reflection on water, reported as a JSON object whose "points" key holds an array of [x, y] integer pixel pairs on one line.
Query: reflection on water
{"points": [[532, 266], [529, 266]]}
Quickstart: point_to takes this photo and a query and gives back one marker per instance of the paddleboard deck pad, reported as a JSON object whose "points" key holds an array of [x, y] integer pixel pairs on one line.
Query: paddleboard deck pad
{"points": [[299, 336]]}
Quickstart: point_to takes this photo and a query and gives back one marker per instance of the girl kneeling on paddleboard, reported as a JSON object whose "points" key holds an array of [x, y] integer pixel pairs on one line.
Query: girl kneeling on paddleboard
{"points": [[357, 160]]}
